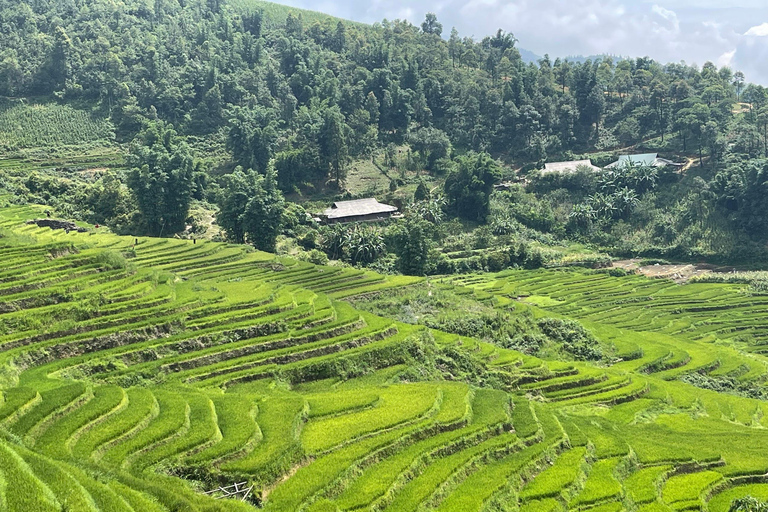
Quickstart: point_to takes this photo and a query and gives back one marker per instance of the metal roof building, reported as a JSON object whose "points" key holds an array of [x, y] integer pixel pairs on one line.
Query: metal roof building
{"points": [[359, 210], [647, 160], [571, 166]]}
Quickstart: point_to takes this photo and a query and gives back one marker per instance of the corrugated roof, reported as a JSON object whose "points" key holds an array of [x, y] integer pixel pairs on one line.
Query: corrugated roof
{"points": [[647, 159], [358, 207], [568, 166]]}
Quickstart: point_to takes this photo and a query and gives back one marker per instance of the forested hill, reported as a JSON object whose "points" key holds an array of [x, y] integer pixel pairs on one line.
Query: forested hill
{"points": [[302, 97], [200, 64]]}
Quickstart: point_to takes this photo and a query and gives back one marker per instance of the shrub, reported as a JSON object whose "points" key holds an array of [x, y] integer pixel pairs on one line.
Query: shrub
{"points": [[748, 504], [573, 337]]}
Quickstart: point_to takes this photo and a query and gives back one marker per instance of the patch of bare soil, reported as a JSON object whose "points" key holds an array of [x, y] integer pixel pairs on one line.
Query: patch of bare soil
{"points": [[678, 273]]}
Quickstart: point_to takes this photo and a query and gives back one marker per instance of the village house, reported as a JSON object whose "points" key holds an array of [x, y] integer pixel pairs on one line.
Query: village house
{"points": [[571, 166], [359, 210], [644, 160]]}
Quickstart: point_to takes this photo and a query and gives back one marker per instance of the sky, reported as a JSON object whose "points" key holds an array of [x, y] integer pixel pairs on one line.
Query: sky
{"points": [[732, 32]]}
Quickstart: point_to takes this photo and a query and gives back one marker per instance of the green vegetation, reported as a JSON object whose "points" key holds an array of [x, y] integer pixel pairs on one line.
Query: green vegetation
{"points": [[139, 374], [24, 126], [324, 109]]}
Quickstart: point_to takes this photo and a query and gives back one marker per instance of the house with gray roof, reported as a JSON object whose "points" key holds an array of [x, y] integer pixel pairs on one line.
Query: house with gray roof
{"points": [[567, 167], [644, 160], [358, 210]]}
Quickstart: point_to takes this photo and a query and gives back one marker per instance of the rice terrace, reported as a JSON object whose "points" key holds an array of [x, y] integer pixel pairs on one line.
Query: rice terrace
{"points": [[260, 258], [137, 376]]}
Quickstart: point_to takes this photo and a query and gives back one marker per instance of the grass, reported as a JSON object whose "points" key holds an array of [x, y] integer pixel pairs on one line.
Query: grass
{"points": [[686, 490], [219, 365], [140, 406], [643, 485], [396, 405], [523, 419], [22, 489], [601, 484], [419, 489], [554, 480], [67, 489], [239, 431], [481, 485], [721, 502], [279, 422]]}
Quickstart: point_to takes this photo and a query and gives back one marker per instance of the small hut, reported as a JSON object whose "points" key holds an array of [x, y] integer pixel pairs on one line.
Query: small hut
{"points": [[359, 210]]}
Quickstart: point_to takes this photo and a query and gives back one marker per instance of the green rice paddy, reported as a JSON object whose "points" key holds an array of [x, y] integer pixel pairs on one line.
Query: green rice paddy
{"points": [[138, 376]]}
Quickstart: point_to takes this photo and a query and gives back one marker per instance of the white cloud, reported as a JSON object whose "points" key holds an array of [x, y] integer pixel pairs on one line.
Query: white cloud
{"points": [[664, 13], [759, 31], [726, 59], [750, 57]]}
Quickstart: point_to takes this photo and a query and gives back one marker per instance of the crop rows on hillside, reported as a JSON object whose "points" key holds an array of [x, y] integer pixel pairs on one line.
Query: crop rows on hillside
{"points": [[36, 126], [139, 373]]}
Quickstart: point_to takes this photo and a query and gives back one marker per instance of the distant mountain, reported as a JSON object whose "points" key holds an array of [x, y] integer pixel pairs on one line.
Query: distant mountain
{"points": [[529, 56]]}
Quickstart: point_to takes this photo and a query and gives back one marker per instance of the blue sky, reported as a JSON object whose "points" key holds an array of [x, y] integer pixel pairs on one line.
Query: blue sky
{"points": [[694, 31]]}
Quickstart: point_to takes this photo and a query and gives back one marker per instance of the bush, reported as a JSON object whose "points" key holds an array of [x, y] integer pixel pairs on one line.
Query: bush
{"points": [[748, 504], [573, 337], [315, 256], [111, 260]]}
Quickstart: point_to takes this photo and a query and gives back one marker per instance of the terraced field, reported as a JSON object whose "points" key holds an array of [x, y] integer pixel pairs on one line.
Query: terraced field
{"points": [[138, 374]]}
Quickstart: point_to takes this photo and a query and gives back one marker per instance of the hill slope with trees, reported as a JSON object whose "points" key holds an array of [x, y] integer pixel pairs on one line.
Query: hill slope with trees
{"points": [[328, 104]]}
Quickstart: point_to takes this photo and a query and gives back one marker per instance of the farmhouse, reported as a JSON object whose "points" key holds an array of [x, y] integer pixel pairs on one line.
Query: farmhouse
{"points": [[566, 167], [359, 210], [647, 160]]}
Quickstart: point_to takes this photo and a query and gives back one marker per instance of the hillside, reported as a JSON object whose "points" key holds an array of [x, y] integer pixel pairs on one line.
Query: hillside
{"points": [[333, 110], [138, 373], [277, 14], [195, 339]]}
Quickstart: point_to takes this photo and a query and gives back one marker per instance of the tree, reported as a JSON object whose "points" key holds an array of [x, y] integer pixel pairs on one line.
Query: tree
{"points": [[595, 108], [715, 143], [338, 41], [454, 46], [60, 69], [251, 209], [251, 138], [738, 84], [628, 130], [238, 188], [161, 179], [411, 245], [297, 167], [690, 122], [432, 144], [562, 72], [469, 186], [294, 25], [422, 192], [431, 25], [333, 144], [658, 100], [262, 218], [11, 74]]}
